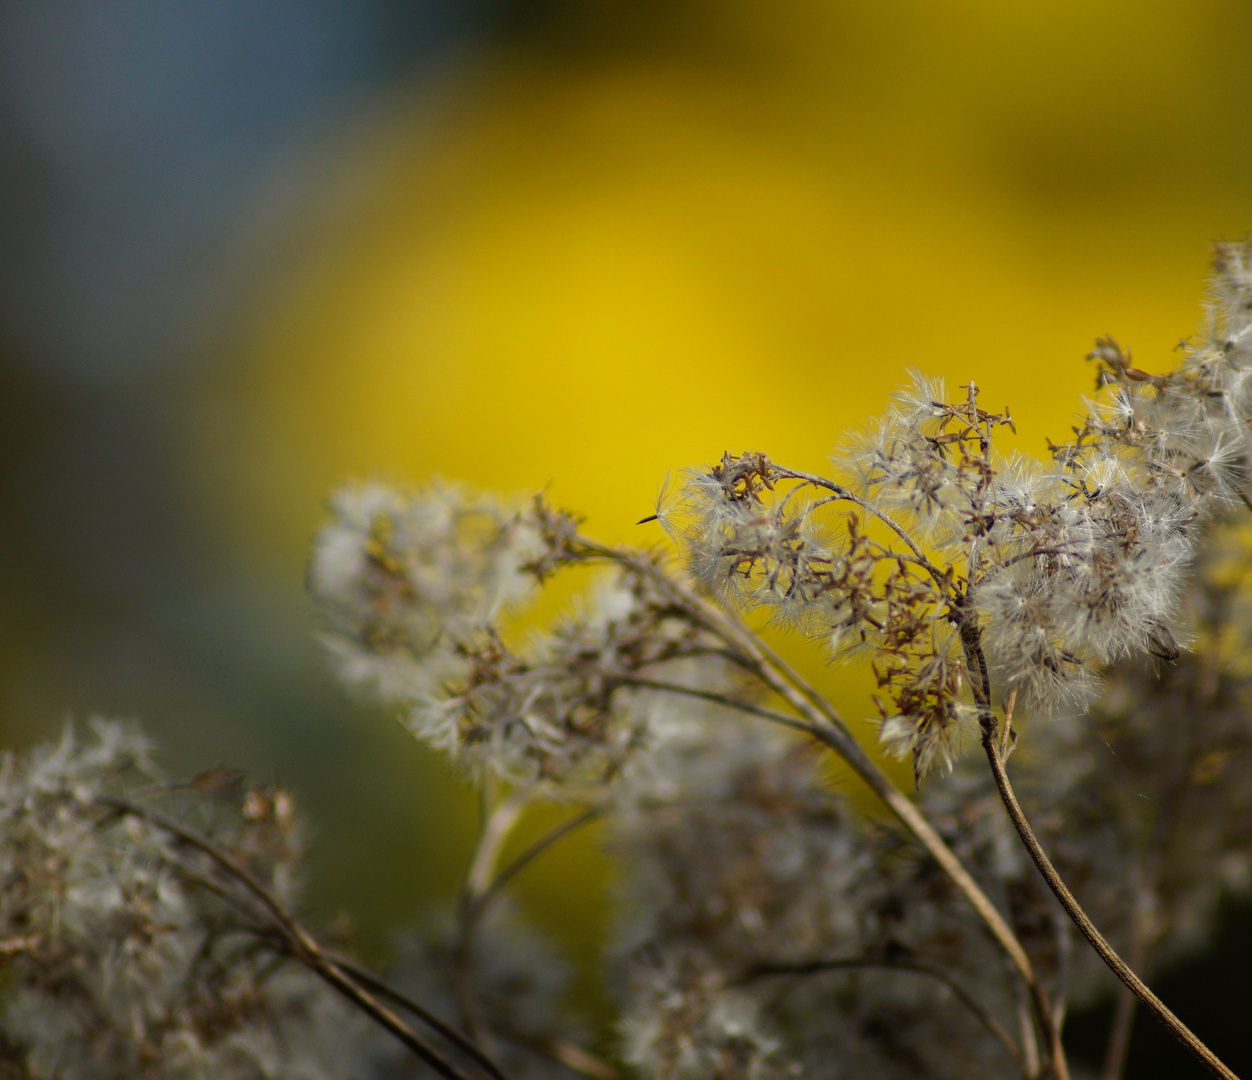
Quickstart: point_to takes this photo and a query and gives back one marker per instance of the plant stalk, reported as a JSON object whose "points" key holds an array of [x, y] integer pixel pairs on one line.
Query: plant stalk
{"points": [[1085, 926]]}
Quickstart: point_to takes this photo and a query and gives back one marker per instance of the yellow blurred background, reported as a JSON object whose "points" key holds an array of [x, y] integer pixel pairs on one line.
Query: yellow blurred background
{"points": [[589, 270], [583, 245]]}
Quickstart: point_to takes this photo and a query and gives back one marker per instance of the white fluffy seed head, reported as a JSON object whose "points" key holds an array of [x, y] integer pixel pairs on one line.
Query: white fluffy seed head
{"points": [[122, 958], [401, 577]]}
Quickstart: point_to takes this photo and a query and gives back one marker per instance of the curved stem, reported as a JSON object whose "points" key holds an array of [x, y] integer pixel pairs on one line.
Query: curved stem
{"points": [[994, 749], [1085, 926], [298, 940]]}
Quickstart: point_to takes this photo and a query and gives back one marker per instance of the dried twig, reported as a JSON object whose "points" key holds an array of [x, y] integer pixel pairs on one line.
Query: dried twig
{"points": [[298, 940]]}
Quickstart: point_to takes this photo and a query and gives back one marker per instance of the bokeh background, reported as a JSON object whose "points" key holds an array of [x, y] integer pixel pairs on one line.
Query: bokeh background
{"points": [[251, 248]]}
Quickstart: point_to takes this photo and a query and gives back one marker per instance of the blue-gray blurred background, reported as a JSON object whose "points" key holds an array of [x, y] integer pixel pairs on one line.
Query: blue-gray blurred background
{"points": [[248, 249]]}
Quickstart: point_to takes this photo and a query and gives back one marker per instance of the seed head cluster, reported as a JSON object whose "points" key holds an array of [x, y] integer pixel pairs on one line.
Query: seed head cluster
{"points": [[126, 954], [929, 536], [1088, 613]]}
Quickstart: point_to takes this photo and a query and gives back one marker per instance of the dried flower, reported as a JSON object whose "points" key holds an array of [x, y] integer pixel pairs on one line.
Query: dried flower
{"points": [[767, 924], [124, 960]]}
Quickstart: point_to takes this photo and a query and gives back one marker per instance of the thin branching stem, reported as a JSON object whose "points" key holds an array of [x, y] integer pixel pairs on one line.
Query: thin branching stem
{"points": [[1086, 927], [995, 758], [300, 942]]}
